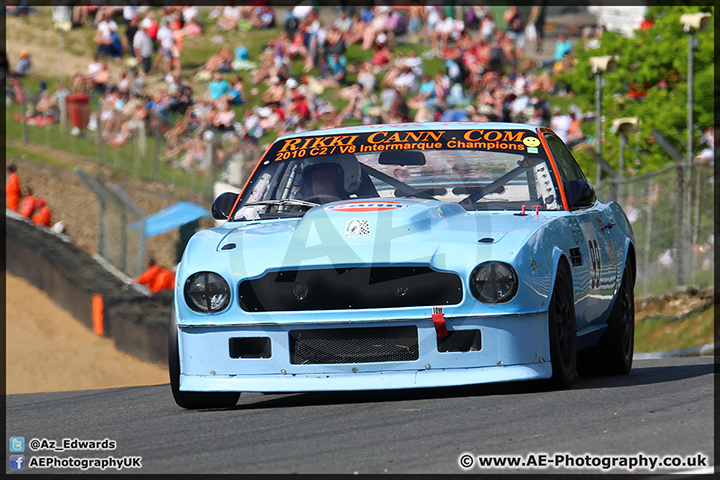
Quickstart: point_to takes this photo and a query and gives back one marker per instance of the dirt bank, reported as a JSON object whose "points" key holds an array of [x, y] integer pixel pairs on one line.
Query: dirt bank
{"points": [[49, 351]]}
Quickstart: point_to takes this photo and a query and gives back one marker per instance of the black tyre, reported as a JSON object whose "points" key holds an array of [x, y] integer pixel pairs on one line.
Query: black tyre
{"points": [[192, 400], [563, 331], [613, 355]]}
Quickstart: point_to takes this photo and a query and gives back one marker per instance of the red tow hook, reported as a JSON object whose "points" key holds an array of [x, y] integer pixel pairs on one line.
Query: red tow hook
{"points": [[537, 210], [439, 322]]}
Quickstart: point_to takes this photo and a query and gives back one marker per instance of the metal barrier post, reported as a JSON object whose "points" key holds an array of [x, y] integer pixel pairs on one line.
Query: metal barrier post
{"points": [[156, 154], [101, 147], [23, 113], [102, 224]]}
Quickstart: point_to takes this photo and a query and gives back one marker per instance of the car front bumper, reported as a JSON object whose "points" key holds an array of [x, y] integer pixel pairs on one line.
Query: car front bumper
{"points": [[513, 348]]}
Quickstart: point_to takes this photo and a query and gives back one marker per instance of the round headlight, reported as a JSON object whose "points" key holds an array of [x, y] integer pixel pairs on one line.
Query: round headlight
{"points": [[494, 282], [207, 292]]}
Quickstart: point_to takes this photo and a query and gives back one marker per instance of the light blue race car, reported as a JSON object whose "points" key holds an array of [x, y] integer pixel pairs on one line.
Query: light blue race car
{"points": [[404, 256]]}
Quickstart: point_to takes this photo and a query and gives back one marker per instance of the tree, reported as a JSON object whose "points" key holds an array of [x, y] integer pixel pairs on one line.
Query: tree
{"points": [[653, 64]]}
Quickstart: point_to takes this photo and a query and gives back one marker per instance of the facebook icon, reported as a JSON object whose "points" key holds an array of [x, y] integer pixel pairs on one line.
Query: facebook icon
{"points": [[17, 462]]}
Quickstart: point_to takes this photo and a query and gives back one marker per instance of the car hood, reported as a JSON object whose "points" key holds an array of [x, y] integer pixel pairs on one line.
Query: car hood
{"points": [[411, 232]]}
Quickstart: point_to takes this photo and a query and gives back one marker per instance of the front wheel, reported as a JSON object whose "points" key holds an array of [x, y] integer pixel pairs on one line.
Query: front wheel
{"points": [[563, 331], [192, 400], [613, 354]]}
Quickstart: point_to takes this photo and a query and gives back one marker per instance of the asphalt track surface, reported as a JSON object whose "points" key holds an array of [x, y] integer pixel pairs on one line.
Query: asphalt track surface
{"points": [[664, 407]]}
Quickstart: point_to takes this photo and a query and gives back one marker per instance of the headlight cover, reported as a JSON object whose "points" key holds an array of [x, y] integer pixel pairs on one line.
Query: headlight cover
{"points": [[494, 282], [207, 292]]}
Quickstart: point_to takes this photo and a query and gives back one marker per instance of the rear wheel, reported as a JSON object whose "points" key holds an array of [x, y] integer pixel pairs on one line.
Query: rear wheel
{"points": [[192, 400], [613, 355], [563, 331]]}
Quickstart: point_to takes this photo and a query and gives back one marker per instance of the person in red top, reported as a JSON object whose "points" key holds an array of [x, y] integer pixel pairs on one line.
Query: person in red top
{"points": [[27, 207], [43, 216], [12, 189], [150, 275], [165, 280], [300, 106]]}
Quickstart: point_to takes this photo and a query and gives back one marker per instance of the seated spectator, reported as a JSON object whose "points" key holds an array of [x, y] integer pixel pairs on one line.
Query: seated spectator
{"points": [[241, 61], [229, 18], [13, 192], [383, 56], [193, 28], [101, 80], [356, 32], [47, 105], [367, 78], [562, 47], [275, 93], [174, 135], [148, 277], [28, 204], [164, 280], [109, 45], [218, 87], [222, 62], [225, 118], [262, 17], [236, 94], [81, 16], [342, 23], [376, 27], [43, 215], [338, 68], [24, 66], [425, 97], [190, 13]]}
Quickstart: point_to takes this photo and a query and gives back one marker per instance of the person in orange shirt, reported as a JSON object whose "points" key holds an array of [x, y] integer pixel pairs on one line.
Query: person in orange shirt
{"points": [[164, 280], [149, 276], [12, 189], [28, 204], [43, 216]]}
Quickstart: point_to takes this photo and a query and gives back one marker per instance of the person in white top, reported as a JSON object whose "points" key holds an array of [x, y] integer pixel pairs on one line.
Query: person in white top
{"points": [[143, 47], [560, 123], [165, 40]]}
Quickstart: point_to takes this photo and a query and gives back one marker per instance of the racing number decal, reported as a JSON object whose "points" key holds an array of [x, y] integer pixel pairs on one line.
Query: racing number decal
{"points": [[595, 260]]}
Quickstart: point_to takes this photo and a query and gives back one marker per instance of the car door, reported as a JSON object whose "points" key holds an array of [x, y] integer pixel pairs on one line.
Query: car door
{"points": [[593, 258]]}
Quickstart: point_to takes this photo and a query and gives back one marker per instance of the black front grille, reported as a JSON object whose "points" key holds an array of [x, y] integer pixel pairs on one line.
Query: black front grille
{"points": [[353, 345], [349, 288]]}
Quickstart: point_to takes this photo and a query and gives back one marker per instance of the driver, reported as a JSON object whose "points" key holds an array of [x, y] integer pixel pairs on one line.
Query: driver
{"points": [[324, 179]]}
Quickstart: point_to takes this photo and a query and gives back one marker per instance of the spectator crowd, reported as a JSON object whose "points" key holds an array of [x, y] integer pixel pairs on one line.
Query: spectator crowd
{"points": [[485, 75]]}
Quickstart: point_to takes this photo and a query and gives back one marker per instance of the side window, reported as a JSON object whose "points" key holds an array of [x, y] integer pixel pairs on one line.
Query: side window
{"points": [[578, 191], [569, 169]]}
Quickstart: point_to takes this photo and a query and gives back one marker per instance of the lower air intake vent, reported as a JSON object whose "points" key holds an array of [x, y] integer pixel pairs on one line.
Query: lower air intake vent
{"points": [[353, 345]]}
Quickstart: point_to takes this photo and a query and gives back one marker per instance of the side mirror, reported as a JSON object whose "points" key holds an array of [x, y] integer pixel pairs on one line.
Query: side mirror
{"points": [[579, 193], [222, 206]]}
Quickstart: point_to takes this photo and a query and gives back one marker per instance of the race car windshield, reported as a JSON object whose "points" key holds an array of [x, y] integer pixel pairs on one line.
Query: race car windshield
{"points": [[478, 169]]}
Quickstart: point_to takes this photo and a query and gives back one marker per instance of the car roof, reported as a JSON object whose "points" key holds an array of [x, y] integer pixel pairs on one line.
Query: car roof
{"points": [[410, 126]]}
